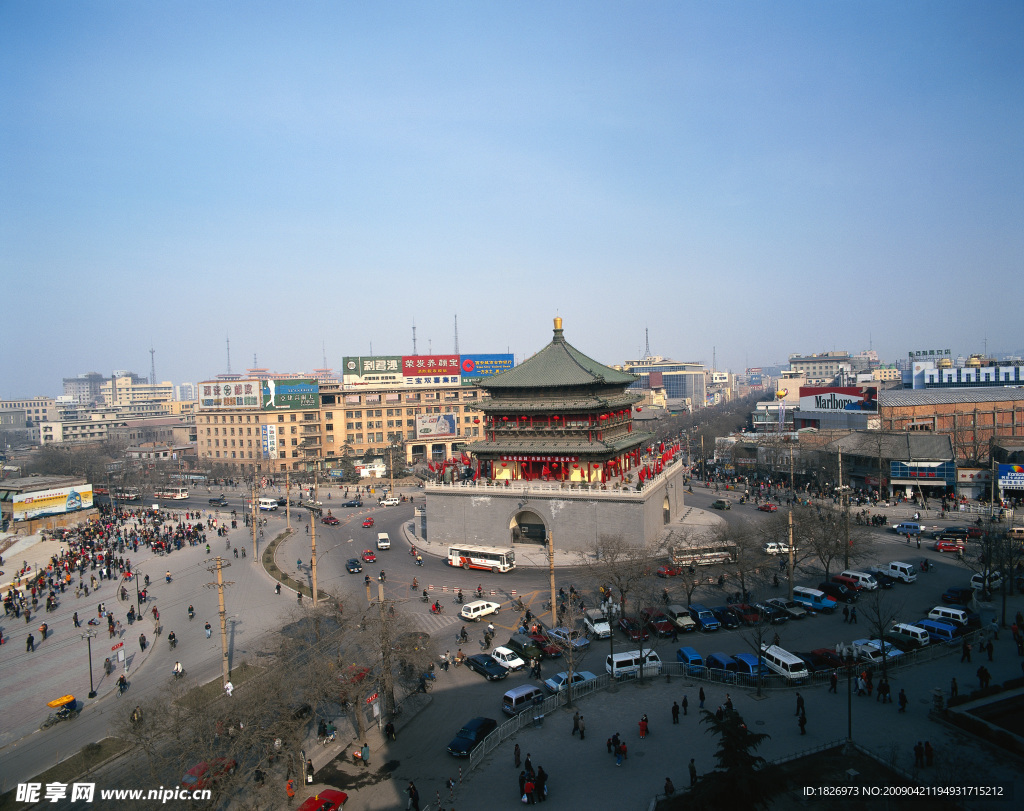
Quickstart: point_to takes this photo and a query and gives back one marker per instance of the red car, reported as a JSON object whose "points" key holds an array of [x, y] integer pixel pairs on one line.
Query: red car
{"points": [[368, 522], [658, 622], [747, 615], [633, 628], [330, 520], [369, 556], [768, 508], [949, 546], [669, 571], [327, 800], [542, 642], [203, 774]]}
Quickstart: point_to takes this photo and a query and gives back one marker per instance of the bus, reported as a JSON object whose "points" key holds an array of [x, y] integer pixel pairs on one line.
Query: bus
{"points": [[482, 557], [703, 555], [172, 493], [127, 494]]}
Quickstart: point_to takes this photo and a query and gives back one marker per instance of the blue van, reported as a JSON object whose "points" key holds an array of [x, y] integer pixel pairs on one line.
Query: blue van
{"points": [[814, 599], [703, 616], [937, 631], [722, 666], [693, 662], [749, 665]]}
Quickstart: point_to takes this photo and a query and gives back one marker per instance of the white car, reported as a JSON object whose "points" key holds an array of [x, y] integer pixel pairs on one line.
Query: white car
{"points": [[991, 583], [773, 548], [507, 658], [390, 502]]}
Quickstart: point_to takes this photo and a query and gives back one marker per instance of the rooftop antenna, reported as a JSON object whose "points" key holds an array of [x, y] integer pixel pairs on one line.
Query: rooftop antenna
{"points": [[371, 349], [714, 361], [456, 334], [152, 364], [323, 349], [414, 336], [227, 338], [647, 343], [255, 365], [430, 347]]}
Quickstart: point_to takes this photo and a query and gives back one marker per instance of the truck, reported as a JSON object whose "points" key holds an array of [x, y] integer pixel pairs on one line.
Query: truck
{"points": [[897, 569]]}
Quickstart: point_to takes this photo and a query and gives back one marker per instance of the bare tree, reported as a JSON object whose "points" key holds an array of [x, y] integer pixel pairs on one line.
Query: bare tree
{"points": [[881, 610]]}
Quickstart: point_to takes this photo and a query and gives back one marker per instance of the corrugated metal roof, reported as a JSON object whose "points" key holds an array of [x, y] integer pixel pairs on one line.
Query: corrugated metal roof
{"points": [[912, 446], [559, 364], [896, 398]]}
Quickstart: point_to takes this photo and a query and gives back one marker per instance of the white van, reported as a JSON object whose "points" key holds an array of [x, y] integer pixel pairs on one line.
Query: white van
{"points": [[267, 504], [596, 623], [954, 616], [790, 667], [521, 698], [909, 635], [862, 579], [383, 540], [627, 664]]}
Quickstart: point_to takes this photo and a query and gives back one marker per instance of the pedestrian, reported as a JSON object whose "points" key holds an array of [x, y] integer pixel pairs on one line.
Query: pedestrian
{"points": [[686, 705], [289, 788], [142, 642], [918, 755], [75, 618], [620, 754], [309, 768], [799, 704], [608, 743], [583, 732], [853, 615], [528, 763], [209, 630], [515, 754], [541, 781], [576, 723], [833, 682], [364, 754], [528, 789], [669, 788], [929, 754], [229, 688], [989, 650], [643, 727], [700, 695], [389, 731], [30, 644], [802, 723], [675, 712], [728, 703], [846, 613], [693, 773], [965, 652], [522, 782], [902, 698], [954, 689], [414, 797]]}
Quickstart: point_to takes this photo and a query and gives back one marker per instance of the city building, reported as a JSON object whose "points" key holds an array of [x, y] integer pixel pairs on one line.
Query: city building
{"points": [[896, 463], [831, 368], [84, 389], [45, 502], [127, 388], [558, 455], [680, 381], [37, 409], [975, 372]]}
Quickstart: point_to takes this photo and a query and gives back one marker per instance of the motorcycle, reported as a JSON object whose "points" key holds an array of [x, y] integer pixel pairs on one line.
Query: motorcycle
{"points": [[925, 565], [67, 708], [424, 598], [172, 640], [437, 608]]}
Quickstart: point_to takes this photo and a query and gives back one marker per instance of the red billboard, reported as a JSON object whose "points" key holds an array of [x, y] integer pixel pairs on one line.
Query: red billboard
{"points": [[430, 365]]}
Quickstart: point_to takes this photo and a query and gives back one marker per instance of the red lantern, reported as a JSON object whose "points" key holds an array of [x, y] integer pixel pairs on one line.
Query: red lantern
{"points": [[556, 417], [504, 419], [504, 464], [639, 409], [604, 416], [476, 419], [554, 465], [575, 466]]}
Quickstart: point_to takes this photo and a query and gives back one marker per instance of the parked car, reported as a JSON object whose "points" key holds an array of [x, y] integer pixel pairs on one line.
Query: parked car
{"points": [[884, 580], [745, 614], [330, 520], [369, 555], [548, 649], [220, 501], [990, 583], [206, 772], [768, 507], [791, 608], [558, 682], [949, 545], [368, 522], [507, 659], [771, 614], [632, 628], [354, 566], [328, 799], [566, 638], [658, 622], [728, 620], [957, 595], [815, 663], [838, 592], [775, 548], [669, 571], [486, 666], [355, 502], [471, 736], [834, 659]]}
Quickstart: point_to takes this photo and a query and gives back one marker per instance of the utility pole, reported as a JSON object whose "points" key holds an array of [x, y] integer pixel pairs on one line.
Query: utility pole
{"points": [[220, 585], [385, 651], [844, 503], [87, 636], [792, 506], [551, 576], [252, 512], [312, 534], [287, 501]]}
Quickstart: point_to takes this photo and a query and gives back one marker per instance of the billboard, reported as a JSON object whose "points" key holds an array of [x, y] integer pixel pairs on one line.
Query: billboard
{"points": [[268, 438], [56, 501], [435, 426], [430, 365], [289, 395], [216, 394], [473, 368], [1011, 476], [366, 369], [839, 398]]}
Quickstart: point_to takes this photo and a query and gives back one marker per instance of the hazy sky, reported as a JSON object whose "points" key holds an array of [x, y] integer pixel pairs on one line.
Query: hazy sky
{"points": [[747, 178]]}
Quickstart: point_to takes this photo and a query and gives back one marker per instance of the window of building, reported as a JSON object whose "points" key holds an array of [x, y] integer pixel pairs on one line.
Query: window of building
{"points": [[328, 415], [280, 417], [329, 426], [295, 417]]}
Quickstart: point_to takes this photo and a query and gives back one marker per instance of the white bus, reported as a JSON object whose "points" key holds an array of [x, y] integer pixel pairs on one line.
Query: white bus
{"points": [[482, 557], [172, 493], [127, 494]]}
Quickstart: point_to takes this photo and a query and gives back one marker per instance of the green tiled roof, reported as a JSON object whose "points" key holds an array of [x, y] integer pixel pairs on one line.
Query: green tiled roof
{"points": [[545, 445], [556, 404], [559, 364]]}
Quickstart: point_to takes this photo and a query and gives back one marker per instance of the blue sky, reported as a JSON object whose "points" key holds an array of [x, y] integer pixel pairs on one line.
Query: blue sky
{"points": [[748, 179]]}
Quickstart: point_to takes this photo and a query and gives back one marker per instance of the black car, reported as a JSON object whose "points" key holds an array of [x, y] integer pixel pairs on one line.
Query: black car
{"points": [[486, 667], [354, 566], [470, 736], [725, 617], [815, 662], [776, 616], [838, 592], [957, 595], [353, 503], [883, 580], [220, 501]]}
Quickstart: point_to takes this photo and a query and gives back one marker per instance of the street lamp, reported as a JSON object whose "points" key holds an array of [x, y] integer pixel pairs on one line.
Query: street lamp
{"points": [[87, 636]]}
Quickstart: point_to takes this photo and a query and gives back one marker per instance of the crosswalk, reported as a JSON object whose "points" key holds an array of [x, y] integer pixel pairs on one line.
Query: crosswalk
{"points": [[433, 623]]}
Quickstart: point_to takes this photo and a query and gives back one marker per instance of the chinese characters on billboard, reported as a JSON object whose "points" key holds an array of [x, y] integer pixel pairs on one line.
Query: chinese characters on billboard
{"points": [[282, 395], [361, 371], [235, 394], [474, 368]]}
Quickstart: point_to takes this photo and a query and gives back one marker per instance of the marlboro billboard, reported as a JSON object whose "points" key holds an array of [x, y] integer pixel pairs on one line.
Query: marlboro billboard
{"points": [[839, 398]]}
